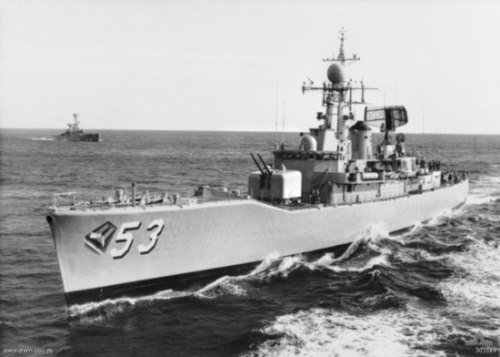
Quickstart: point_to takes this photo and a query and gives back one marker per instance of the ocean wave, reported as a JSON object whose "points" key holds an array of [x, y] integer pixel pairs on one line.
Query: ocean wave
{"points": [[377, 261], [97, 311], [326, 332], [8, 327], [481, 199], [443, 217], [473, 294], [270, 268], [487, 180], [484, 190], [223, 286], [410, 331]]}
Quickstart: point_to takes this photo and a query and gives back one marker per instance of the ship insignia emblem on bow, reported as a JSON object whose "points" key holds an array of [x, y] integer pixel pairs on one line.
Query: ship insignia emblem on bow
{"points": [[98, 240]]}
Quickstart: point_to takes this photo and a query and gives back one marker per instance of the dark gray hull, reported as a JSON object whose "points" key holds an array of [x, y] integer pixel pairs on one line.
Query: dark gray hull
{"points": [[82, 137]]}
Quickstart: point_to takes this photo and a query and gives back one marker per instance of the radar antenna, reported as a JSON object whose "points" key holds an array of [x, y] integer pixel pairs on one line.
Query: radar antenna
{"points": [[341, 57], [337, 93]]}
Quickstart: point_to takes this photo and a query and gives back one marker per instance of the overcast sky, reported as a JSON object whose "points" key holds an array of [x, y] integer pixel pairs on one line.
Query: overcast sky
{"points": [[239, 65]]}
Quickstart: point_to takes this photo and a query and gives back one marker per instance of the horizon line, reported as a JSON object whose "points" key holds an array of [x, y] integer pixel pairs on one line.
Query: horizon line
{"points": [[246, 131]]}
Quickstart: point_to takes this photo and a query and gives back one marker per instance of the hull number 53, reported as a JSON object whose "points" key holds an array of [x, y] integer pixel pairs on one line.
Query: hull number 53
{"points": [[125, 235], [99, 239]]}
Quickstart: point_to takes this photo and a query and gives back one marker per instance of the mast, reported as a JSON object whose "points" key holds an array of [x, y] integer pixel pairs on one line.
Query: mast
{"points": [[341, 56], [335, 97], [76, 123]]}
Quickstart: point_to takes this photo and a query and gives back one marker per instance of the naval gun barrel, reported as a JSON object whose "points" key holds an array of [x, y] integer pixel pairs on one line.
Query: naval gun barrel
{"points": [[265, 165], [133, 193], [257, 164]]}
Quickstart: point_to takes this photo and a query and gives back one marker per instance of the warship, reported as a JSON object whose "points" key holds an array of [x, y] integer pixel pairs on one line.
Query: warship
{"points": [[74, 133], [325, 192]]}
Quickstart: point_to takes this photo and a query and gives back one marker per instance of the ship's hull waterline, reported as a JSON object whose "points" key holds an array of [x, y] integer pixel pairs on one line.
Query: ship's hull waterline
{"points": [[79, 137], [140, 249]]}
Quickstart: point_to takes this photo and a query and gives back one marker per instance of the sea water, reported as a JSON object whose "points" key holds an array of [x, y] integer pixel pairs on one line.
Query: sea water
{"points": [[428, 292]]}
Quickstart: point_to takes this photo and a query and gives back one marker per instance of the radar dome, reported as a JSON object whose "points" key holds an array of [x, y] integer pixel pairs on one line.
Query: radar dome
{"points": [[307, 143], [334, 74]]}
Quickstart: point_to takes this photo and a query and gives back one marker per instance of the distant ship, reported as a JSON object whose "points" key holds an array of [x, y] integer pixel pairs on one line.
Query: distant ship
{"points": [[327, 191], [74, 133]]}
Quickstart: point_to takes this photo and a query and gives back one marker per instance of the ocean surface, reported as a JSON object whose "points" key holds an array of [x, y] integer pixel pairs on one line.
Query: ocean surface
{"points": [[432, 291]]}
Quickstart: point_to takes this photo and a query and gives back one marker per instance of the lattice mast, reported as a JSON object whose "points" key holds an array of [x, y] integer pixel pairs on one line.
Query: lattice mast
{"points": [[337, 93]]}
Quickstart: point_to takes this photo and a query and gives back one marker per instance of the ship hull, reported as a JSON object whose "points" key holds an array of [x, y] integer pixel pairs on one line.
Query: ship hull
{"points": [[137, 250], [83, 137]]}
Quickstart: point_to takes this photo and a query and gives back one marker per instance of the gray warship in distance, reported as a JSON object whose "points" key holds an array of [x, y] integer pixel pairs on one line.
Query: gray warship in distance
{"points": [[325, 192], [74, 133]]}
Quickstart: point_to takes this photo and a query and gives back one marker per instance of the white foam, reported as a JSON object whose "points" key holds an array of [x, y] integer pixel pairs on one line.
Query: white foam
{"points": [[475, 292], [289, 264], [43, 139], [226, 285], [442, 217], [417, 227], [489, 217], [353, 247], [472, 299], [324, 261], [322, 332], [278, 266], [222, 286], [485, 189], [265, 264], [488, 180], [480, 260], [480, 199], [380, 260], [118, 305]]}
